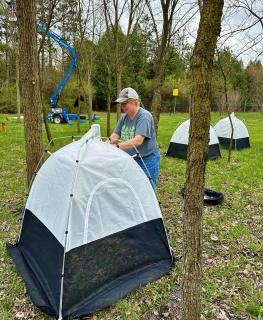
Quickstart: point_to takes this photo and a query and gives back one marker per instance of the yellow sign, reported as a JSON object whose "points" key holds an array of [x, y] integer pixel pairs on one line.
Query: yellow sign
{"points": [[175, 92]]}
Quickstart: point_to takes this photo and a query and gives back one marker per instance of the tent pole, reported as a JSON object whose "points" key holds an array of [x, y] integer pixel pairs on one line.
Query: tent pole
{"points": [[60, 317]]}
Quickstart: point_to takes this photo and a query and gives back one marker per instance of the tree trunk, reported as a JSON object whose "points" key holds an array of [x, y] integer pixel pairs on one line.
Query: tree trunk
{"points": [[41, 75], [226, 104], [29, 84], [231, 136], [118, 77], [167, 10], [90, 95], [50, 61], [7, 56], [42, 60], [118, 67], [157, 98], [201, 68], [47, 128], [108, 102], [18, 100], [86, 97], [245, 106]]}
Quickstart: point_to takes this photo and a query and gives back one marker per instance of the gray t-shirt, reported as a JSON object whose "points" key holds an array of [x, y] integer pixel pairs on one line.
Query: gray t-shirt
{"points": [[143, 125]]}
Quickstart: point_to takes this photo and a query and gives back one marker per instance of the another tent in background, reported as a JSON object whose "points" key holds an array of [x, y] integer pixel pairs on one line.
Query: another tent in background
{"points": [[240, 136], [179, 143], [92, 230]]}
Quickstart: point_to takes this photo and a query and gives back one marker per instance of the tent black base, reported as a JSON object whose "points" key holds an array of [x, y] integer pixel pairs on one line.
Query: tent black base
{"points": [[237, 143], [96, 274], [125, 285], [178, 150], [36, 292]]}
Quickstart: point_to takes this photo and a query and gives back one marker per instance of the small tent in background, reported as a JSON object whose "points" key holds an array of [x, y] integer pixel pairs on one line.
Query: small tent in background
{"points": [[240, 136], [92, 230], [179, 143]]}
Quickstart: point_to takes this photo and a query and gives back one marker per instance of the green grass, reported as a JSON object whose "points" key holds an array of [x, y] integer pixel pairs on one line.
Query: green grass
{"points": [[232, 248]]}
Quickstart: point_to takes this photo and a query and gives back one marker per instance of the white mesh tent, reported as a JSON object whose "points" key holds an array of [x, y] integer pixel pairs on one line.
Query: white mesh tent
{"points": [[179, 143], [92, 230], [240, 134]]}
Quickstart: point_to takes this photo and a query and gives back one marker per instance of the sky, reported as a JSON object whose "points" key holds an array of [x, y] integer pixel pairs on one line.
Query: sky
{"points": [[240, 30]]}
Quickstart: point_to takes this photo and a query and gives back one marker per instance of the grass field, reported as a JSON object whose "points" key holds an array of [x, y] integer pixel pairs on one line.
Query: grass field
{"points": [[232, 250]]}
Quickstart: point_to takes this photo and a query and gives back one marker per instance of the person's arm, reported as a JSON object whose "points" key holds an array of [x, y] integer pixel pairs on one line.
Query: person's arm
{"points": [[113, 139], [115, 136], [134, 142]]}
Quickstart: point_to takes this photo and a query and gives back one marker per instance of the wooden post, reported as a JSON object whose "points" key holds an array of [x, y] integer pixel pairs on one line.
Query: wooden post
{"points": [[4, 127]]}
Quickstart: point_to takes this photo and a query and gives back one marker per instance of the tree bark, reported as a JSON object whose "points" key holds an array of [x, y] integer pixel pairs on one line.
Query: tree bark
{"points": [[119, 84], [227, 108], [50, 60], [108, 101], [168, 8], [90, 107], [7, 55], [201, 68], [120, 50], [29, 84], [157, 96], [18, 99]]}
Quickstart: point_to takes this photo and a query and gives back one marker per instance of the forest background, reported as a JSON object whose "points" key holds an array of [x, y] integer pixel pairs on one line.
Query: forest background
{"points": [[113, 53]]}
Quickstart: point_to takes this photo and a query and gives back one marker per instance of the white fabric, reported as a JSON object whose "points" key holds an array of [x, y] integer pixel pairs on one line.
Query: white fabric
{"points": [[181, 134], [110, 192], [223, 128]]}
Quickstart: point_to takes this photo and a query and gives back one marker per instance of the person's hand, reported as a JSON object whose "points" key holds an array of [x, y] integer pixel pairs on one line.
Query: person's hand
{"points": [[108, 140]]}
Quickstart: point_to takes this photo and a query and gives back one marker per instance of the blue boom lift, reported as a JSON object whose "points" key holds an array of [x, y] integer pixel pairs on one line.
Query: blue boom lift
{"points": [[60, 115]]}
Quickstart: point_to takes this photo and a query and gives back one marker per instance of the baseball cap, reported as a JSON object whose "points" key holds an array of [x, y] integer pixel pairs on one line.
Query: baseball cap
{"points": [[126, 94]]}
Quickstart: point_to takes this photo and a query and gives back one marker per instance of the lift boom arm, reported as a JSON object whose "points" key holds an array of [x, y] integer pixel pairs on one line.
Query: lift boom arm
{"points": [[73, 65]]}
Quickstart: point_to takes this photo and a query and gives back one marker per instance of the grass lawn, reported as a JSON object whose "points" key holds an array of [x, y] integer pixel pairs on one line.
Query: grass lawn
{"points": [[232, 249]]}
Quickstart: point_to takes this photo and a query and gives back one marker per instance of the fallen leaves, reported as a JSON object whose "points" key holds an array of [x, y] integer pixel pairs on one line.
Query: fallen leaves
{"points": [[4, 227], [214, 238], [23, 309], [221, 315]]}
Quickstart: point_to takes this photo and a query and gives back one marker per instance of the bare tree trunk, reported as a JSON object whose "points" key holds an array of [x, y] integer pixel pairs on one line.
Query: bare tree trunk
{"points": [[29, 84], [118, 76], [157, 97], [52, 6], [42, 81], [42, 60], [7, 56], [112, 18], [18, 100], [90, 95], [81, 85], [201, 67], [231, 137], [168, 8], [108, 102], [245, 106], [47, 128], [227, 108], [78, 122], [50, 60]]}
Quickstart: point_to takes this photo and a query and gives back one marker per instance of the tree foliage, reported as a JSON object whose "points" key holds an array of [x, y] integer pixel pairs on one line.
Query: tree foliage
{"points": [[83, 25]]}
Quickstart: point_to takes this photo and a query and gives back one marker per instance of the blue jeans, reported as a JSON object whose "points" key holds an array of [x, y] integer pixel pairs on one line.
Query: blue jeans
{"points": [[152, 163]]}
